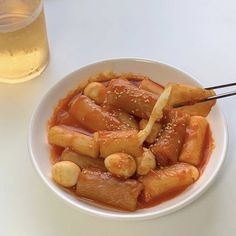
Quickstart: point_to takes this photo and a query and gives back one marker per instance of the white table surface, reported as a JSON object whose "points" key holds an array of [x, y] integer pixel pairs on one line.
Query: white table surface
{"points": [[199, 37]]}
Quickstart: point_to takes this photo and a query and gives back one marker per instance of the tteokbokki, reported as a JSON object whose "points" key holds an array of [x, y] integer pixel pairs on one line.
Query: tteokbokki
{"points": [[119, 141]]}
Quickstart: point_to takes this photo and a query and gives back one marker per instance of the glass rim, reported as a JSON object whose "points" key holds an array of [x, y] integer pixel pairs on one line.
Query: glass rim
{"points": [[19, 25]]}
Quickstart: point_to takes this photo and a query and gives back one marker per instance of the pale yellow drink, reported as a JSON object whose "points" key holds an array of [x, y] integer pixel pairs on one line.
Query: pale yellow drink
{"points": [[23, 42]]}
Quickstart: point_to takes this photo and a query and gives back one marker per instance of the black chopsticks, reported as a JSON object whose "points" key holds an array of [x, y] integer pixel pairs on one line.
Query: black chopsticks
{"points": [[221, 86], [227, 94]]}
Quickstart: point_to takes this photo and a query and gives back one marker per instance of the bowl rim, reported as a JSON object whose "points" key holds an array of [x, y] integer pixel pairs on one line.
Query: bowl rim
{"points": [[125, 216]]}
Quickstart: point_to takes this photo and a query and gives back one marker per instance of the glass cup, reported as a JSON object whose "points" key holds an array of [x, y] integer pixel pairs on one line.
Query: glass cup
{"points": [[24, 52]]}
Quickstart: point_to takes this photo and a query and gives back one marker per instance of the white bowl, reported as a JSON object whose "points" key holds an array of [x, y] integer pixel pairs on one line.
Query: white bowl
{"points": [[162, 73]]}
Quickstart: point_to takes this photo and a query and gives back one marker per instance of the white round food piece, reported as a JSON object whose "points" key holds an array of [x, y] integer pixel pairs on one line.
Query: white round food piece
{"points": [[65, 173], [95, 91], [146, 162], [121, 164]]}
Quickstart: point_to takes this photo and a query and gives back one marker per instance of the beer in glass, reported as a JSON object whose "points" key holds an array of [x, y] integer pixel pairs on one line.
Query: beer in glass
{"points": [[24, 50]]}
